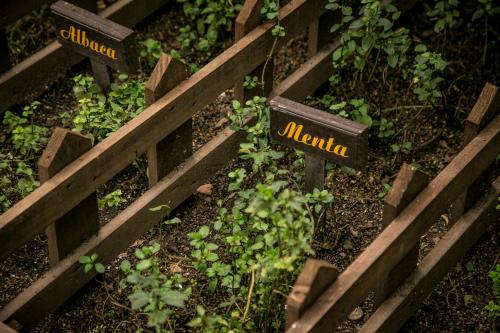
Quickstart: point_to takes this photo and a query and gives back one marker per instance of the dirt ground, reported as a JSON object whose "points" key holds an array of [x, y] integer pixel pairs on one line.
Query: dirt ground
{"points": [[456, 305]]}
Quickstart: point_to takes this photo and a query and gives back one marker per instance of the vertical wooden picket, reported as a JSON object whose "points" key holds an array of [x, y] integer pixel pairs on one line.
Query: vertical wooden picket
{"points": [[316, 276], [408, 184], [249, 18], [167, 154], [82, 221], [319, 32], [485, 109]]}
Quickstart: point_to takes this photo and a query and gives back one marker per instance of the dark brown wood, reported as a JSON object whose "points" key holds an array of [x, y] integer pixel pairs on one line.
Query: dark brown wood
{"points": [[63, 280], [319, 33], [395, 311], [323, 134], [486, 107], [95, 37], [5, 63], [33, 76], [52, 199], [56, 279], [315, 277], [6, 329], [102, 75], [12, 10], [315, 173], [354, 284], [407, 185], [248, 19], [81, 222], [171, 151]]}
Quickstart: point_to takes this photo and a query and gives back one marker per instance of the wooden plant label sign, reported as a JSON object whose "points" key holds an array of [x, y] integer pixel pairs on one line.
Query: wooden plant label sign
{"points": [[95, 37], [319, 133]]}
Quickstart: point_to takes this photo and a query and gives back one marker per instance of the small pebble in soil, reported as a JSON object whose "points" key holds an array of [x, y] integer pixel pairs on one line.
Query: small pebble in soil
{"points": [[356, 314]]}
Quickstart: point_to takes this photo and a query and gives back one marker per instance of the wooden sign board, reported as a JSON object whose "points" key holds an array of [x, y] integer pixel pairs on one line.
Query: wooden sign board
{"points": [[319, 133], [95, 37]]}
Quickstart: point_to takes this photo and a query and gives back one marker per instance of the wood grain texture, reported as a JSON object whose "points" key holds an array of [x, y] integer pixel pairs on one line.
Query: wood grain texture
{"points": [[353, 285], [487, 106], [174, 149], [34, 75], [248, 19], [80, 223], [408, 184], [403, 304], [57, 196], [67, 277], [315, 277]]}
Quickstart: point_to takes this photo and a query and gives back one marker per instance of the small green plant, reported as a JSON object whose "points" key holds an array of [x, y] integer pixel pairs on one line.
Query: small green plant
{"points": [[486, 10], [150, 52], [385, 190], [151, 291], [112, 199], [99, 115], [426, 77], [209, 19], [90, 262], [385, 128], [404, 147], [250, 82], [493, 306], [445, 12], [358, 109]]}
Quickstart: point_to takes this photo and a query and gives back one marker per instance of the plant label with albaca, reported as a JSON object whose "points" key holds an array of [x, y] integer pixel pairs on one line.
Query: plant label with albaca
{"points": [[95, 37], [318, 133]]}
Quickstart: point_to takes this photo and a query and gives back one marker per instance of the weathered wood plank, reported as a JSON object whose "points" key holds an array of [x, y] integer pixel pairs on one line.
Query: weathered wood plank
{"points": [[396, 310], [71, 230], [248, 19], [6, 329], [486, 107], [178, 145], [353, 285], [315, 277], [34, 75], [407, 185], [64, 191], [56, 279]]}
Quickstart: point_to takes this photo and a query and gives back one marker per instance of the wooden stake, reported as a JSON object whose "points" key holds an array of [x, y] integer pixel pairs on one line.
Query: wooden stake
{"points": [[249, 18], [315, 173], [82, 221], [167, 154], [319, 33], [408, 184], [316, 276], [102, 75], [5, 63], [485, 109]]}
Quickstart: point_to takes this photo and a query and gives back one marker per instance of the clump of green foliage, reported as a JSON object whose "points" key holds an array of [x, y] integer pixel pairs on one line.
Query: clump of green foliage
{"points": [[493, 306], [112, 199], [425, 78], [99, 115], [151, 291], [446, 14], [90, 262], [150, 52], [210, 19]]}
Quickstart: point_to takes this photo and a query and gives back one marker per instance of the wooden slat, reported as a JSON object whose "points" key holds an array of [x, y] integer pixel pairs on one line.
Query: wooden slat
{"points": [[395, 311], [67, 277], [6, 329], [56, 278], [33, 75], [64, 191], [401, 235]]}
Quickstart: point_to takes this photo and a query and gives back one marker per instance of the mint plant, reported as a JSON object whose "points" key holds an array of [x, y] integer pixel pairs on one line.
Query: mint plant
{"points": [[493, 306], [112, 199], [426, 77], [445, 12], [151, 291], [150, 52], [90, 262]]}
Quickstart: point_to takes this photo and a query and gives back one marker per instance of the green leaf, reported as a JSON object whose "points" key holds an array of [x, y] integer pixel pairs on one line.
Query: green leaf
{"points": [[212, 257], [143, 264], [138, 299], [125, 266], [173, 298], [204, 231], [99, 268], [87, 268], [84, 260]]}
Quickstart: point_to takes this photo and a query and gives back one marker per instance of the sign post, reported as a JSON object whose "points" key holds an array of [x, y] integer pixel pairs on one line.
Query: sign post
{"points": [[321, 135], [106, 43]]}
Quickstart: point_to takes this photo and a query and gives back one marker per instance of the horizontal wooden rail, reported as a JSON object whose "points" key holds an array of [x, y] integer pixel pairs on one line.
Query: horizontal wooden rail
{"points": [[6, 329], [67, 276], [33, 75], [394, 312], [401, 235], [65, 190]]}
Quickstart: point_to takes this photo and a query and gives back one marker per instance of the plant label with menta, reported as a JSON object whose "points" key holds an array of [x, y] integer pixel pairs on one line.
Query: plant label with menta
{"points": [[95, 37], [319, 133]]}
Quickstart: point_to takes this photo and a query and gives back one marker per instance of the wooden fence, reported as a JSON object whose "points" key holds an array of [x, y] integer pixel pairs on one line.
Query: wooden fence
{"points": [[33, 75], [71, 171], [322, 298]]}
